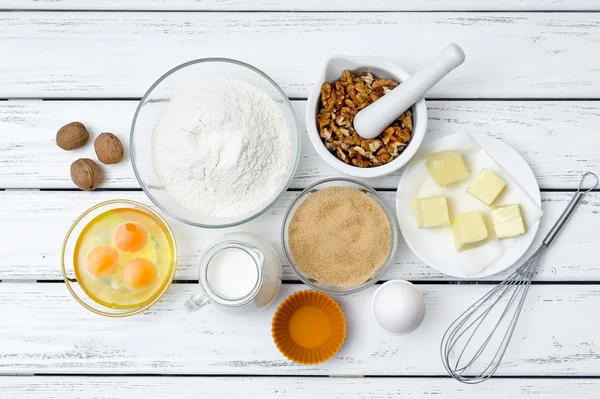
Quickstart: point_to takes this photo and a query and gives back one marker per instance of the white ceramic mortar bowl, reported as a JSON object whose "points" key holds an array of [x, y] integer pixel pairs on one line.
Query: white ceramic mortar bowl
{"points": [[380, 68]]}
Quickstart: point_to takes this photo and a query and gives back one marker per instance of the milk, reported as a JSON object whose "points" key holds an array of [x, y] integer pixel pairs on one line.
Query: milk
{"points": [[232, 273], [239, 272]]}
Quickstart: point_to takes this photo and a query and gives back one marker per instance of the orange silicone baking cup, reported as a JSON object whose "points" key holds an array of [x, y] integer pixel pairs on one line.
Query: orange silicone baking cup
{"points": [[308, 327]]}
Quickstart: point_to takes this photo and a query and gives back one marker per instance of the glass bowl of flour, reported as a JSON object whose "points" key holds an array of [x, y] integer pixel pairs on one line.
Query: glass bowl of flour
{"points": [[214, 142]]}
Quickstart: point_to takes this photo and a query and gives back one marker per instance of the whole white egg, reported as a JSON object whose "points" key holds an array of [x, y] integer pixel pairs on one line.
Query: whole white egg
{"points": [[398, 307]]}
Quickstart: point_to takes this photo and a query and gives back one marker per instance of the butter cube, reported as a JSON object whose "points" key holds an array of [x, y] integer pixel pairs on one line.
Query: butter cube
{"points": [[431, 211], [468, 230], [486, 187], [447, 167], [508, 221]]}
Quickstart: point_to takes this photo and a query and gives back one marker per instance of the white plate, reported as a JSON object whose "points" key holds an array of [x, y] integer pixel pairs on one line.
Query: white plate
{"points": [[512, 164]]}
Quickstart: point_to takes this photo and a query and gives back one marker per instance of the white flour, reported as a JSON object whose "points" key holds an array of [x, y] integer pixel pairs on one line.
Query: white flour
{"points": [[222, 148]]}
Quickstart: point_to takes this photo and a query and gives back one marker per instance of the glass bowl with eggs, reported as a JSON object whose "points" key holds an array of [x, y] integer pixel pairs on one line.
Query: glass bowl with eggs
{"points": [[119, 258], [214, 142]]}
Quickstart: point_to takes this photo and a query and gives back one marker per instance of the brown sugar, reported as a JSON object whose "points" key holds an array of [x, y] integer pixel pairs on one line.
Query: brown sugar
{"points": [[340, 236]]}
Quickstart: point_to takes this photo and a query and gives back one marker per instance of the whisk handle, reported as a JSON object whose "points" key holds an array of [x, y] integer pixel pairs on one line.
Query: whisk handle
{"points": [[568, 212], [562, 220]]}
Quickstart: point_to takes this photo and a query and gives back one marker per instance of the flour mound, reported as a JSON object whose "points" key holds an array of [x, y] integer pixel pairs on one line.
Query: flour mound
{"points": [[222, 148]]}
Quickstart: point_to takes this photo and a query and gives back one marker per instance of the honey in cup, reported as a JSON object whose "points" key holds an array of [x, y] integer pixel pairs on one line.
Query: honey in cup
{"points": [[123, 258]]}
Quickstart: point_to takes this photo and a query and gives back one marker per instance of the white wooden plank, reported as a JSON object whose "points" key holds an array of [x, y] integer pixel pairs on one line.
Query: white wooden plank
{"points": [[127, 387], [303, 5], [557, 138], [49, 332], [120, 54], [34, 225]]}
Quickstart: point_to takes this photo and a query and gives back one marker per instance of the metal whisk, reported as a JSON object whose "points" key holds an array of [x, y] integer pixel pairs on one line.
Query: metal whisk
{"points": [[466, 344]]}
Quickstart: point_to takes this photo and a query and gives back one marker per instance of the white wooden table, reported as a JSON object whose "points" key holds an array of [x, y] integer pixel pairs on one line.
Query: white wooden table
{"points": [[531, 79]]}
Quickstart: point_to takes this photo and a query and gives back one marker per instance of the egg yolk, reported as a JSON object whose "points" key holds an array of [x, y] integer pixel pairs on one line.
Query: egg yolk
{"points": [[139, 273], [102, 262], [130, 237]]}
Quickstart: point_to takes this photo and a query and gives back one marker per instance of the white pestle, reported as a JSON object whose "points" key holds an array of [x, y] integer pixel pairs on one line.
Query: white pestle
{"points": [[372, 120]]}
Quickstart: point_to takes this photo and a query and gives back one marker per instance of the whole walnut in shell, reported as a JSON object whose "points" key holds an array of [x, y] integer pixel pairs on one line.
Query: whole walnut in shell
{"points": [[86, 174], [108, 148], [72, 135]]}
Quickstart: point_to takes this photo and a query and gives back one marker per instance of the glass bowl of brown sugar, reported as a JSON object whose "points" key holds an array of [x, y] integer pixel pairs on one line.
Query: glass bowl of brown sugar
{"points": [[339, 236]]}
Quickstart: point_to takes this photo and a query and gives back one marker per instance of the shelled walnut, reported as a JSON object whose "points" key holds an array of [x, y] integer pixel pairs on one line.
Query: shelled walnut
{"points": [[340, 102]]}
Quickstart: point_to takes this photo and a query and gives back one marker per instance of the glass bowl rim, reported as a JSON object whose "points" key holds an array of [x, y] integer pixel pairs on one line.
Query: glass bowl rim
{"points": [[286, 101], [134, 311], [391, 217]]}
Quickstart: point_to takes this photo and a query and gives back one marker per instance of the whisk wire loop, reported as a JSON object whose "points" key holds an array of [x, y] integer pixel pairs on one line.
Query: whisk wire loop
{"points": [[472, 319], [508, 297]]}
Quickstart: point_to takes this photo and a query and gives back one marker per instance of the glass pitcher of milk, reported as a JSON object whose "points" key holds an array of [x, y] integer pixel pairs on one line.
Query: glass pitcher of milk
{"points": [[239, 272]]}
